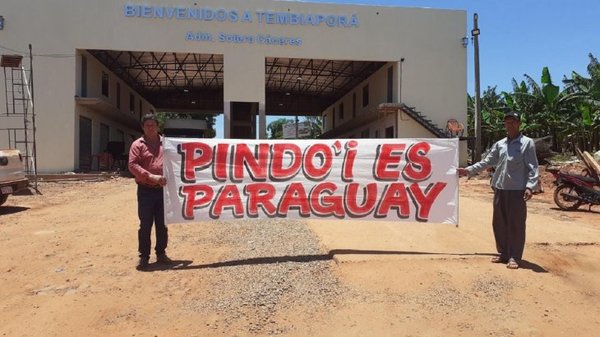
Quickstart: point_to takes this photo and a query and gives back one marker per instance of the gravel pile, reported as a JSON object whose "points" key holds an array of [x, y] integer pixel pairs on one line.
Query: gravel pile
{"points": [[274, 265], [492, 287]]}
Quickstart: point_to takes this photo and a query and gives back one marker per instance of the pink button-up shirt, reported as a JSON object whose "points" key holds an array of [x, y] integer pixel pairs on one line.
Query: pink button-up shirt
{"points": [[145, 158]]}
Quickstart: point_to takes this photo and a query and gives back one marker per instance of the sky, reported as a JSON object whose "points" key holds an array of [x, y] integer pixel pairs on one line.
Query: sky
{"points": [[517, 37]]}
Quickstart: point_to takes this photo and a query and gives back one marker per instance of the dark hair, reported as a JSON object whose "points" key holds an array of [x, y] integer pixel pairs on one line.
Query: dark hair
{"points": [[149, 117]]}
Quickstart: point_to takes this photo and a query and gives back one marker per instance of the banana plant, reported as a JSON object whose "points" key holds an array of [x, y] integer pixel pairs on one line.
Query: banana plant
{"points": [[588, 109], [548, 107]]}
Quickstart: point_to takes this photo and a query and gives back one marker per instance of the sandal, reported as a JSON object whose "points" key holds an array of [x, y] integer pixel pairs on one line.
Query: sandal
{"points": [[512, 264], [497, 259]]}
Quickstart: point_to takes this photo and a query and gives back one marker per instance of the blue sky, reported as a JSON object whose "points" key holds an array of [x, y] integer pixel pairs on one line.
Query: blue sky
{"points": [[518, 37]]}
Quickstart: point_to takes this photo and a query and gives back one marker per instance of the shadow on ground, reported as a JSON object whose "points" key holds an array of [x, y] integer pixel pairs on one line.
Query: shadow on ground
{"points": [[187, 264], [524, 264], [5, 210], [581, 209]]}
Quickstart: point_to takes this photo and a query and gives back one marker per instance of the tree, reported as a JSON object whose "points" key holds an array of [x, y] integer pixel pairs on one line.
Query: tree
{"points": [[492, 116], [588, 130], [545, 108], [569, 116], [316, 126]]}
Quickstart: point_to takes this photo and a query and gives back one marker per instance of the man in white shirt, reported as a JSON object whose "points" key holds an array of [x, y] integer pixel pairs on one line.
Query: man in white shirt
{"points": [[515, 176]]}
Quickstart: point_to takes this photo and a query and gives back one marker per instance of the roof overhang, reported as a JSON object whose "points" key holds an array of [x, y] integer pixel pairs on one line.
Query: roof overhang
{"points": [[194, 82]]}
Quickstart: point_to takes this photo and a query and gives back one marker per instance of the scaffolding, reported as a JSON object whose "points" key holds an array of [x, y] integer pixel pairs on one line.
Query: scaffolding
{"points": [[17, 122]]}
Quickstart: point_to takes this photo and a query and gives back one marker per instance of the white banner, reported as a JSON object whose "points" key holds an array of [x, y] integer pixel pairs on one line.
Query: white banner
{"points": [[390, 179]]}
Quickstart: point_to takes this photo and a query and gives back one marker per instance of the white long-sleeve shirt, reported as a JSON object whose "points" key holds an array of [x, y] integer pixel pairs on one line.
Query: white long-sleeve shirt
{"points": [[515, 163]]}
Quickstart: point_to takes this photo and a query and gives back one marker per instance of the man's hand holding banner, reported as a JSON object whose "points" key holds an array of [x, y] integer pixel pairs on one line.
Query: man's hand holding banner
{"points": [[389, 179]]}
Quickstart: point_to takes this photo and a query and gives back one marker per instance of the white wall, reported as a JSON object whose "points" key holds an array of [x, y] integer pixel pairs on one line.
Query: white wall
{"points": [[94, 89]]}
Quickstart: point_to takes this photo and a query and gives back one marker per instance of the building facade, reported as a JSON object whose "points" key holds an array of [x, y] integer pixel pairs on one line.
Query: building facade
{"points": [[98, 66]]}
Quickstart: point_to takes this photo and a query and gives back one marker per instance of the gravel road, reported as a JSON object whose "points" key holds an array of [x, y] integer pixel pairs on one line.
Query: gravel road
{"points": [[273, 265]]}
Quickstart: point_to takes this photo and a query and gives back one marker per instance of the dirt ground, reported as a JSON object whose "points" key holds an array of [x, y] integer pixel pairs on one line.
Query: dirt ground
{"points": [[67, 269]]}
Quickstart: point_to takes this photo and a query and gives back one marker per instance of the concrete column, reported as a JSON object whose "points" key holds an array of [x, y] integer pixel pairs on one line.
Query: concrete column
{"points": [[227, 119], [398, 81], [262, 121]]}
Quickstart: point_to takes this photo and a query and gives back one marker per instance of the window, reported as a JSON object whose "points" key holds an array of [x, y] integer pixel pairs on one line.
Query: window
{"points": [[105, 84], [389, 132], [333, 119], [364, 133], [341, 108], [325, 122], [83, 76], [118, 95], [131, 103], [376, 133], [365, 96], [353, 105], [390, 84]]}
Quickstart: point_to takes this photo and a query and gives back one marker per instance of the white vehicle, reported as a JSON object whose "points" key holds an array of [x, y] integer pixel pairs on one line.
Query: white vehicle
{"points": [[12, 174]]}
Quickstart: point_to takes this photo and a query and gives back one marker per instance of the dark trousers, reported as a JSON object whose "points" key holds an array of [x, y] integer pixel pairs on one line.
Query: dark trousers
{"points": [[151, 210], [510, 214]]}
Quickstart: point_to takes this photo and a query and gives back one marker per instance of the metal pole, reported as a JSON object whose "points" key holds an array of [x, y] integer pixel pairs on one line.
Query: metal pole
{"points": [[26, 124], [475, 33], [33, 118], [399, 96]]}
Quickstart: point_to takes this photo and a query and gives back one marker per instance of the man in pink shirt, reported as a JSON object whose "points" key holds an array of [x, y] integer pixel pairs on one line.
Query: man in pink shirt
{"points": [[146, 164]]}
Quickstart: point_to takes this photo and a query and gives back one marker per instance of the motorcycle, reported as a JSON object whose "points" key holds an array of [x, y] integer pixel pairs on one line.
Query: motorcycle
{"points": [[573, 190]]}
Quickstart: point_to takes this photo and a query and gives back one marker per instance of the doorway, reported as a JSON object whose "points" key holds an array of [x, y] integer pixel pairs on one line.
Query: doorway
{"points": [[85, 143], [243, 120]]}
